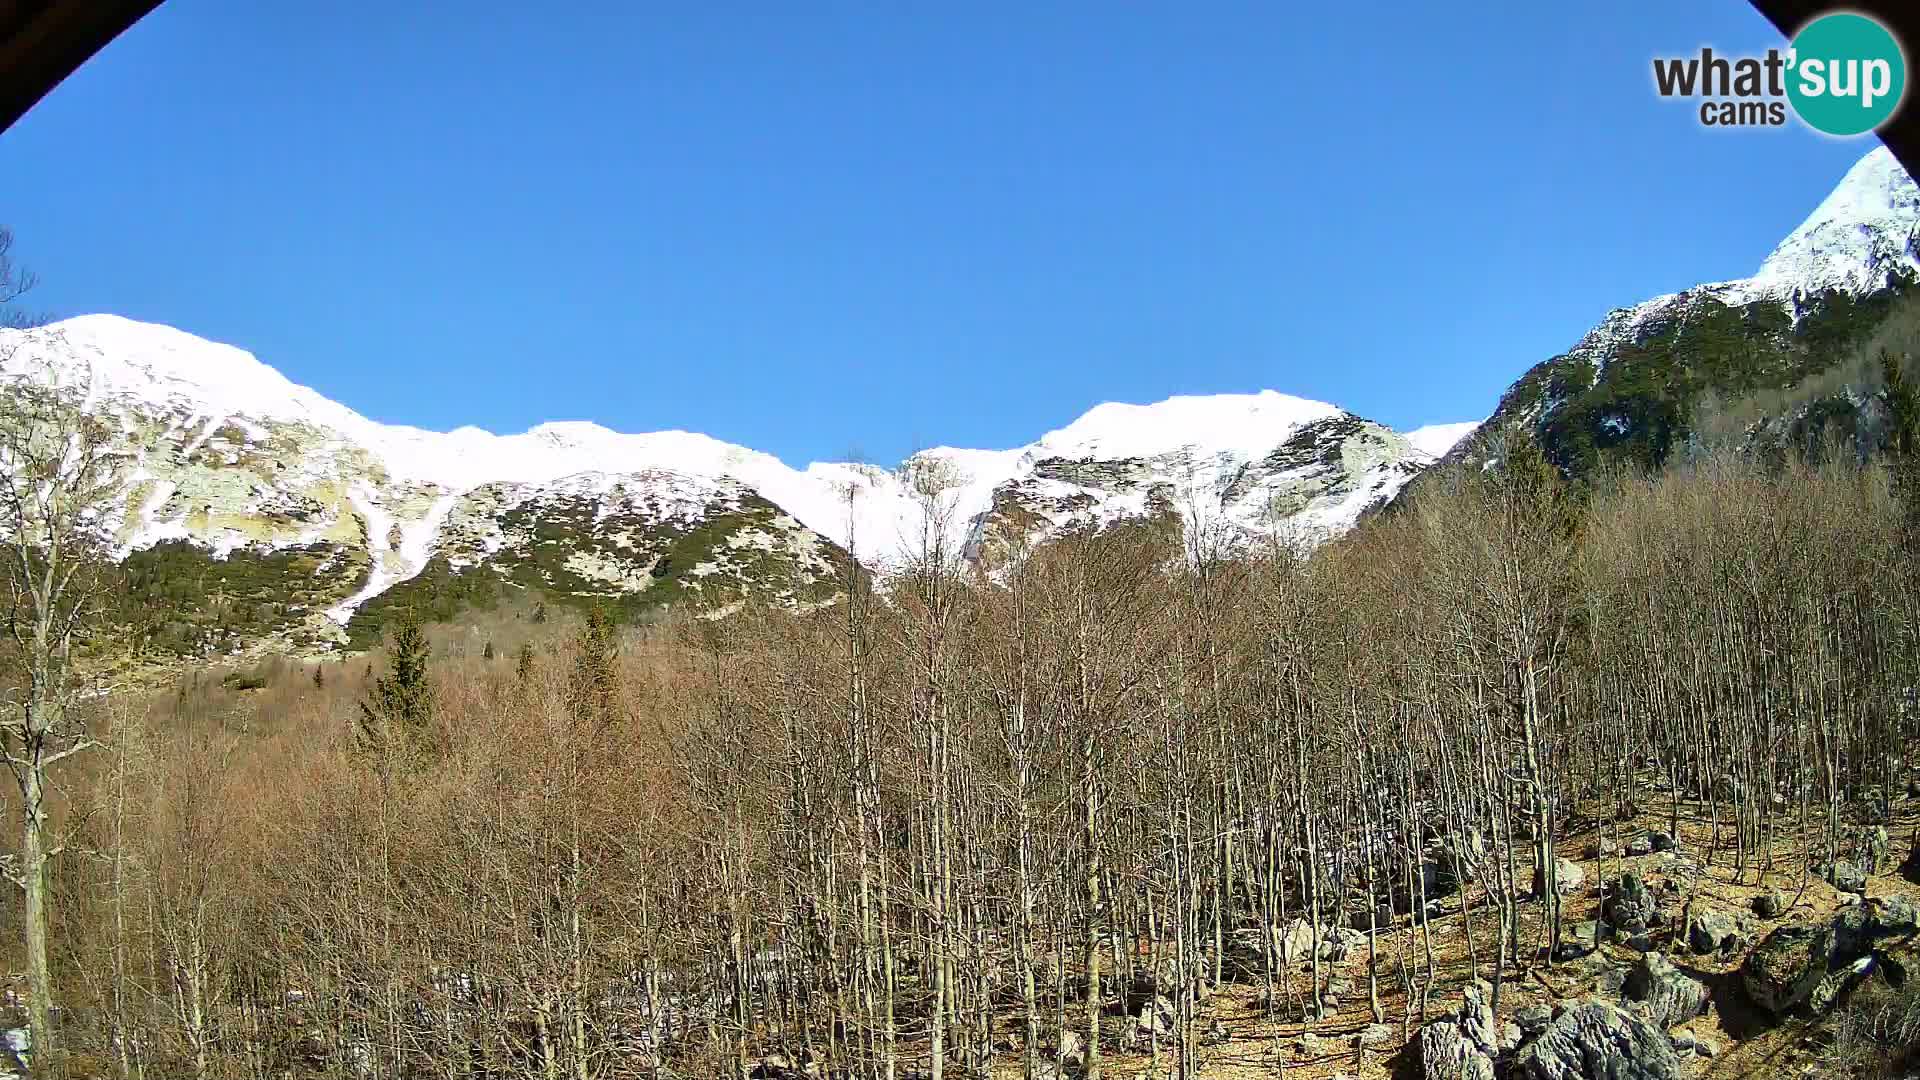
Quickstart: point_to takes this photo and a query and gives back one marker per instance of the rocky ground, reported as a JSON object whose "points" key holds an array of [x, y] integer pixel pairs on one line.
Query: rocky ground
{"points": [[1685, 967]]}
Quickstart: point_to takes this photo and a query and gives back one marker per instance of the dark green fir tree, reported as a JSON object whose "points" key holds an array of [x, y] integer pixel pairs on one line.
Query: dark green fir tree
{"points": [[396, 719]]}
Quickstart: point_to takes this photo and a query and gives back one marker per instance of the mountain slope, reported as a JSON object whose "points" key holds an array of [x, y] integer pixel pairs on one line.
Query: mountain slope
{"points": [[256, 510], [1646, 378]]}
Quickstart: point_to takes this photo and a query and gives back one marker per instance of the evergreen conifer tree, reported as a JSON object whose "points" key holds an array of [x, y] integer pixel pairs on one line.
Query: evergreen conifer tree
{"points": [[1538, 484], [396, 719], [592, 688]]}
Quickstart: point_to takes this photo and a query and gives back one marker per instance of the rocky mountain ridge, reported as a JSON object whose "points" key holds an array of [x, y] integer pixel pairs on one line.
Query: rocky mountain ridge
{"points": [[309, 520], [1632, 388], [242, 477]]}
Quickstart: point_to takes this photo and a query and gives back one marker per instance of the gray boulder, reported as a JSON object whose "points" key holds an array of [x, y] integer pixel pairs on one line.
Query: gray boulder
{"points": [[1609, 978], [1770, 904], [1294, 941], [1595, 1040], [1580, 939], [1534, 1019], [1837, 983], [1568, 876], [1630, 905], [1157, 1018], [1341, 943], [1877, 845], [1640, 845], [1436, 882], [1712, 932], [1847, 876], [1893, 916], [1464, 1046], [1476, 1018], [1073, 1048], [1382, 919], [1782, 971], [1376, 1037], [1859, 928], [1668, 995], [1447, 1054]]}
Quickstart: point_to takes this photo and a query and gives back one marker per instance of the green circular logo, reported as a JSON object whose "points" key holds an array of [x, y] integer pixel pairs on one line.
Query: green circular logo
{"points": [[1846, 74]]}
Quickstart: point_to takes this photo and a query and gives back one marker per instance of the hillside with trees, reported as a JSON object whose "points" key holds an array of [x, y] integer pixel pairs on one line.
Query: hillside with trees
{"points": [[1528, 780], [1593, 761]]}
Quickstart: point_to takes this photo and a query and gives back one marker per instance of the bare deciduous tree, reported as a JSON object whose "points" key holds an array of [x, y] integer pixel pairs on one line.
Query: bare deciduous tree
{"points": [[59, 476]]}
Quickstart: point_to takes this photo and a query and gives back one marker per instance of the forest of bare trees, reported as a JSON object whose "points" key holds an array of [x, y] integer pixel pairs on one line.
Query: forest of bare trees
{"points": [[1017, 819]]}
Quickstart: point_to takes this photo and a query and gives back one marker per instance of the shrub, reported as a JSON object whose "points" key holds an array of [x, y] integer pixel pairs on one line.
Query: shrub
{"points": [[1876, 1035]]}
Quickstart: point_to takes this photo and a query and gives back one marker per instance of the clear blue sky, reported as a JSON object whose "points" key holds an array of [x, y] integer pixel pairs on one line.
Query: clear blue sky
{"points": [[821, 228]]}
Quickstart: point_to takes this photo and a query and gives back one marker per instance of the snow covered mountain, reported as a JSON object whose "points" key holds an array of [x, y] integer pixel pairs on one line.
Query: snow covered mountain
{"points": [[233, 462], [302, 521], [1633, 387]]}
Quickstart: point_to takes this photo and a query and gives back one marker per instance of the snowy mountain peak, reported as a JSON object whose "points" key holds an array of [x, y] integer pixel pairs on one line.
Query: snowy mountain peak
{"points": [[567, 433], [1847, 265], [1242, 423], [1860, 234], [1434, 440], [234, 457], [160, 366]]}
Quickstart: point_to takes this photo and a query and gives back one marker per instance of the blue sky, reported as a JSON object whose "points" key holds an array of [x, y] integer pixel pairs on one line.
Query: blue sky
{"points": [[824, 229]]}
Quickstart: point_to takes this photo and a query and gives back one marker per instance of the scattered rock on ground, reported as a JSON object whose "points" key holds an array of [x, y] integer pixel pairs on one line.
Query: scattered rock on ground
{"points": [[1294, 941], [1859, 928], [1073, 1048], [1579, 939], [1341, 943], [1447, 1054], [1894, 917], [1877, 844], [1630, 905], [1534, 1019], [1669, 996], [1847, 876], [1712, 932], [1595, 1040], [1475, 1017], [1382, 919], [1770, 904], [1567, 877], [1784, 968], [1156, 1017], [1836, 984]]}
